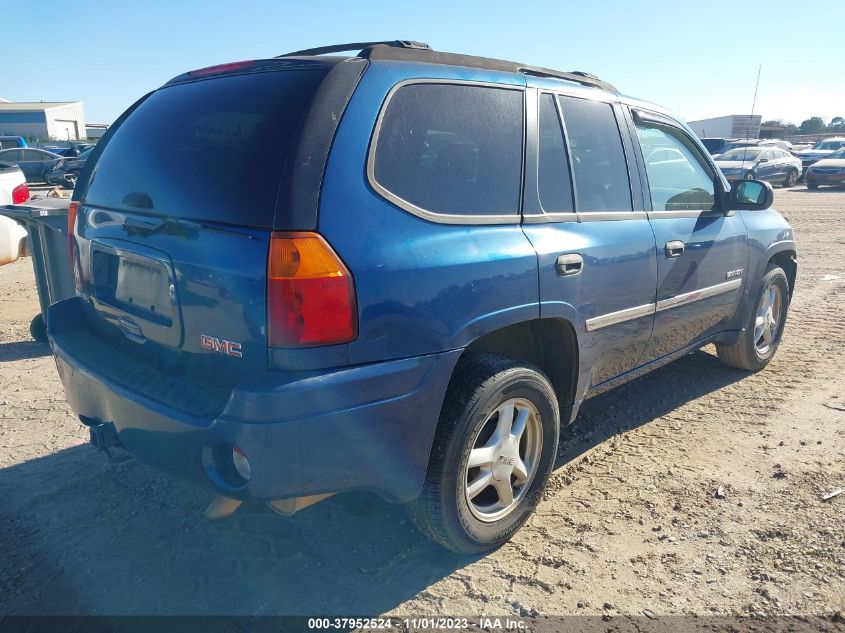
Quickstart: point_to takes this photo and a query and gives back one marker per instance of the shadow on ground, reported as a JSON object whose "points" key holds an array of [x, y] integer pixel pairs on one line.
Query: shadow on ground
{"points": [[819, 190], [80, 536], [19, 350]]}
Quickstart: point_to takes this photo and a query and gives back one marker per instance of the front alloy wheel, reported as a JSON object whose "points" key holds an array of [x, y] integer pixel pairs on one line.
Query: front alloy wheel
{"points": [[759, 341], [768, 319]]}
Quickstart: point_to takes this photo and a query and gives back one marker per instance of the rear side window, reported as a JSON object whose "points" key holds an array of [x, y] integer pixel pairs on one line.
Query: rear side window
{"points": [[209, 150], [553, 178], [451, 149], [601, 173]]}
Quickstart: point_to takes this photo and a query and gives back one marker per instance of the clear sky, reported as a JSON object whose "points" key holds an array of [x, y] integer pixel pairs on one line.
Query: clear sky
{"points": [[698, 58]]}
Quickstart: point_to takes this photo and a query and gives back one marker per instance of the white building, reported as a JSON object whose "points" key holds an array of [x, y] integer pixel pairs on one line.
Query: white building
{"points": [[43, 120], [95, 130], [731, 126]]}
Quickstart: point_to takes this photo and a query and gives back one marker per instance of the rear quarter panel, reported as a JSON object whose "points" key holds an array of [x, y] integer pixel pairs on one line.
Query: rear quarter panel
{"points": [[421, 287]]}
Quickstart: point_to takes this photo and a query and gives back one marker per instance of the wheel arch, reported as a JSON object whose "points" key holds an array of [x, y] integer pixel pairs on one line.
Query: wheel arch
{"points": [[551, 344], [788, 260]]}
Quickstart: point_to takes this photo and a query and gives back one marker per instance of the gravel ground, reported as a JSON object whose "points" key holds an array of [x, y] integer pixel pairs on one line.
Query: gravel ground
{"points": [[629, 522]]}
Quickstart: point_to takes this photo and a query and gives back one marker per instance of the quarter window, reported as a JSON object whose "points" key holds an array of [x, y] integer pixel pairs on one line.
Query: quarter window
{"points": [[553, 179], [601, 173], [677, 178], [452, 149]]}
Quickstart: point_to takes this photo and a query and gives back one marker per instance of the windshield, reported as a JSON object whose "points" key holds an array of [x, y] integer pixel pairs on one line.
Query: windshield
{"points": [[206, 150], [743, 154], [840, 153]]}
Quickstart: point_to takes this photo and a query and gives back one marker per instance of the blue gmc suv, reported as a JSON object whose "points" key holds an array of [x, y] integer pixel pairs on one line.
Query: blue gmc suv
{"points": [[399, 271]]}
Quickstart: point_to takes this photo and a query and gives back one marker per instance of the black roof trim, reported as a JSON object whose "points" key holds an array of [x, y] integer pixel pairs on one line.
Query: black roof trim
{"points": [[357, 46], [411, 51]]}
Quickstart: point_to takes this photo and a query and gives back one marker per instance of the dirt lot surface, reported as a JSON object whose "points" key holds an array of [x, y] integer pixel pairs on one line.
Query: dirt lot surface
{"points": [[629, 523]]}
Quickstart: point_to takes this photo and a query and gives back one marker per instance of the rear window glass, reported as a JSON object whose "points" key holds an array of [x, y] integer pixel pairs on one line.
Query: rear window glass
{"points": [[553, 179], [453, 149], [209, 150], [601, 173]]}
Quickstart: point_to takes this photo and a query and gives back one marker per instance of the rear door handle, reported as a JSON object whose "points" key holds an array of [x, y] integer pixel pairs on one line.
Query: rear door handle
{"points": [[569, 264], [675, 248]]}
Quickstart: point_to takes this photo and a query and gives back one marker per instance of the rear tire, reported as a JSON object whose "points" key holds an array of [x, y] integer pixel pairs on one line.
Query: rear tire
{"points": [[467, 507], [761, 338], [38, 329]]}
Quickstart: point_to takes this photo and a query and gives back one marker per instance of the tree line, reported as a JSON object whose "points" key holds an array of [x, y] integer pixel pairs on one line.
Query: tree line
{"points": [[813, 125]]}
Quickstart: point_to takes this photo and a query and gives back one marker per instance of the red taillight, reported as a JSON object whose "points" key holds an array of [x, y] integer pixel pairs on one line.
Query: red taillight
{"points": [[20, 194], [310, 293], [71, 231]]}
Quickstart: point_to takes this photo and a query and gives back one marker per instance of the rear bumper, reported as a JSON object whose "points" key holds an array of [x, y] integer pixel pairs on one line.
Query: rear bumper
{"points": [[368, 427]]}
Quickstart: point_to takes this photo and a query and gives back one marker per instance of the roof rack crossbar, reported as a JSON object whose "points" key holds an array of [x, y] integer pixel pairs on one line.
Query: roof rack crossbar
{"points": [[357, 46]]}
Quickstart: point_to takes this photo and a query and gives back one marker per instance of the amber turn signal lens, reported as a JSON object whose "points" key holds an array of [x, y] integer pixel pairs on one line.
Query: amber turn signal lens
{"points": [[310, 293]]}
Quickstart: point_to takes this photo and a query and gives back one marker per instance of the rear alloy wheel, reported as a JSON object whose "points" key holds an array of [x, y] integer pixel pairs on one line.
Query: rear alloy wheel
{"points": [[493, 452], [748, 176], [503, 460], [791, 179], [759, 341]]}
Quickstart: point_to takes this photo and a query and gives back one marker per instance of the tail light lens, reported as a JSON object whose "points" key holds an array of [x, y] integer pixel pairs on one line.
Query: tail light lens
{"points": [[71, 233], [310, 293], [20, 194]]}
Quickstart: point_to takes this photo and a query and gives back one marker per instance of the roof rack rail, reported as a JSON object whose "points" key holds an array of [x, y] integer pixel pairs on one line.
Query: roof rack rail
{"points": [[357, 46], [427, 55]]}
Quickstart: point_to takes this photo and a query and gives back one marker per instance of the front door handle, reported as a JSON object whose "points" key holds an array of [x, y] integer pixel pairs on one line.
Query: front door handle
{"points": [[675, 248], [569, 264]]}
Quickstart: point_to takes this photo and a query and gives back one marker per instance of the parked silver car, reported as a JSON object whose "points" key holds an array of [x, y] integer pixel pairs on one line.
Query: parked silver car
{"points": [[760, 163], [820, 150]]}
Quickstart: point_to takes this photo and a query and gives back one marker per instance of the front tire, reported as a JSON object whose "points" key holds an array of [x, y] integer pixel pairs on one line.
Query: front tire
{"points": [[791, 179], [759, 342], [493, 452]]}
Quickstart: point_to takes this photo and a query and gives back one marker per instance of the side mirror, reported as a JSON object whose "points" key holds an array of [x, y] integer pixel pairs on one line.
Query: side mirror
{"points": [[764, 160], [753, 195]]}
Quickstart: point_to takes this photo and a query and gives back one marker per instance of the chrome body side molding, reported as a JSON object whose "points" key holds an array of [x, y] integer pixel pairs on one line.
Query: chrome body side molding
{"points": [[613, 318], [629, 314], [697, 295]]}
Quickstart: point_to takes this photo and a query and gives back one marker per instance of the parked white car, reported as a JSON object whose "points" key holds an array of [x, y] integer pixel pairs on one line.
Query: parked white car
{"points": [[13, 190]]}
